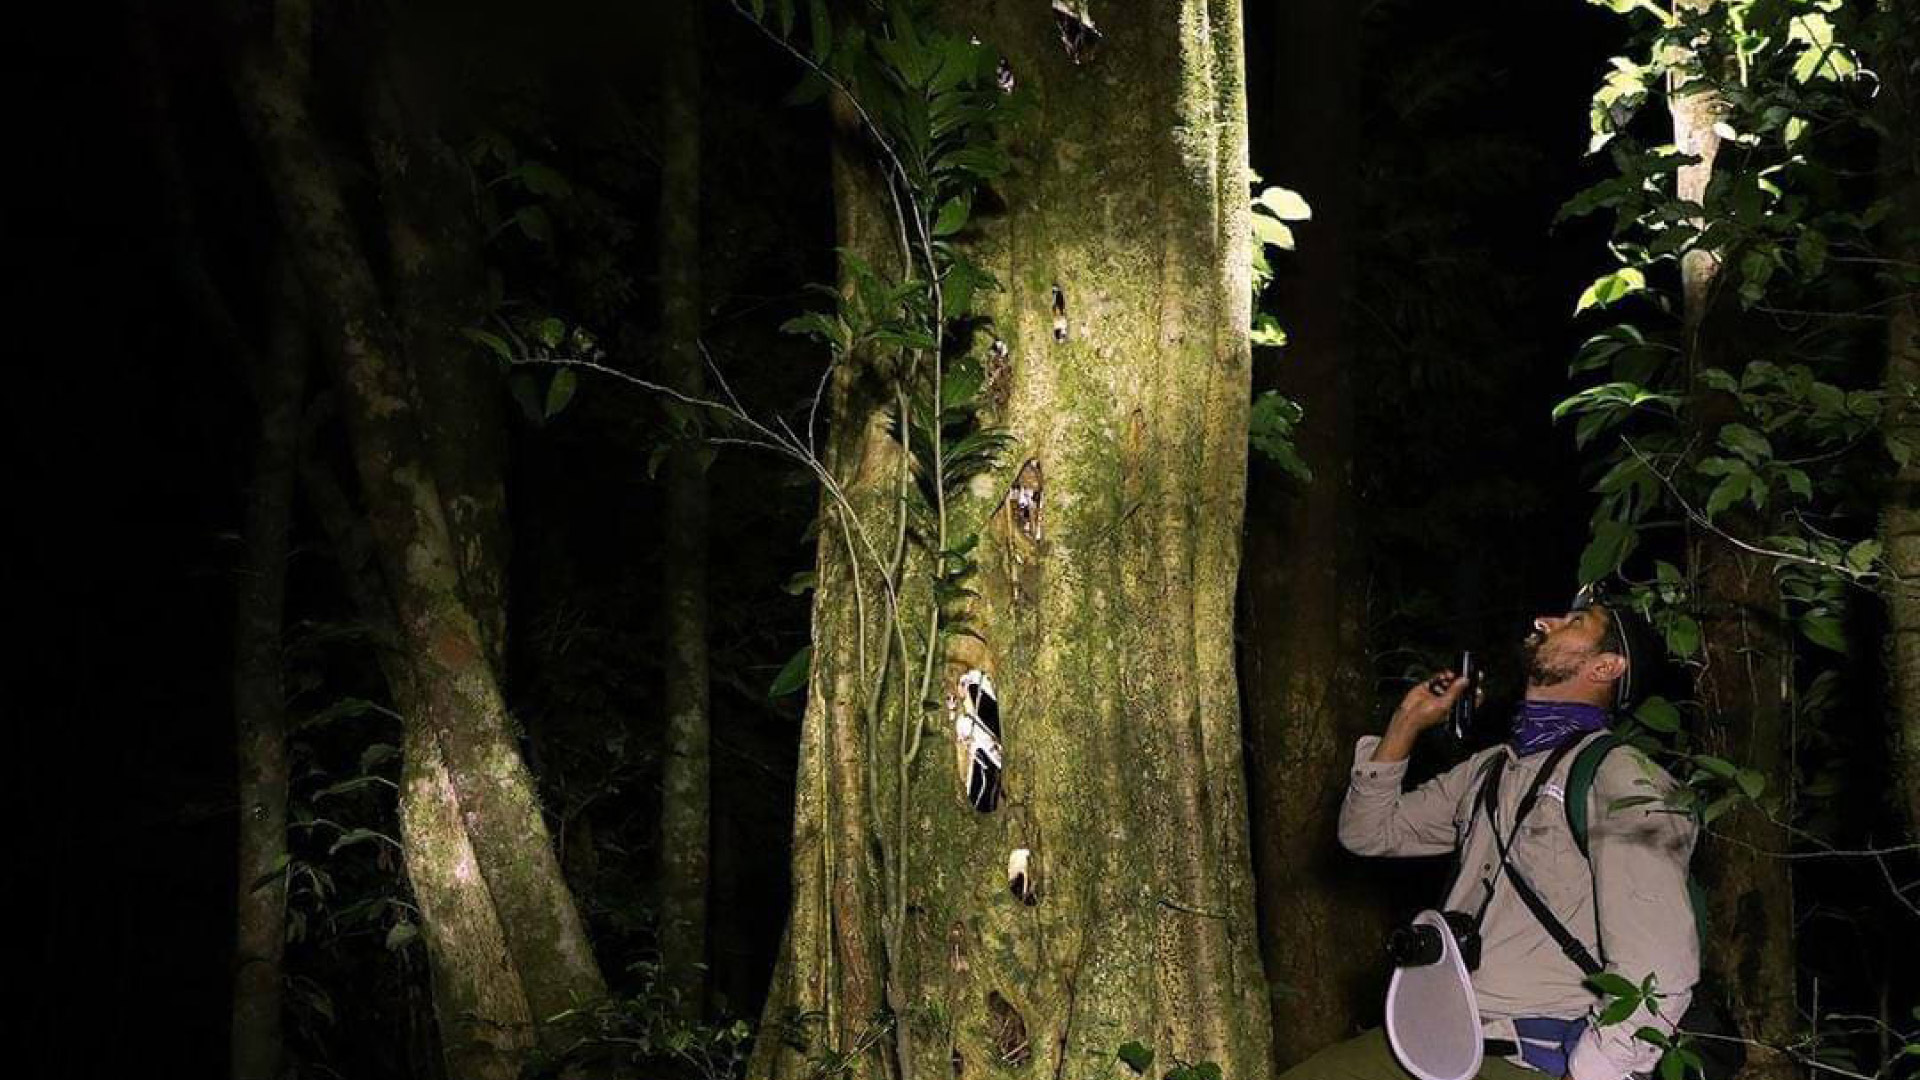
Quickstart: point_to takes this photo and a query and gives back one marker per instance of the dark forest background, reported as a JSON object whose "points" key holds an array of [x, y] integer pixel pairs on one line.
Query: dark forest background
{"points": [[129, 435]]}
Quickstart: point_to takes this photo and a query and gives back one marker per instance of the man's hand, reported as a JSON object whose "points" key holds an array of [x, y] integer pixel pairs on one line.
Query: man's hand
{"points": [[1424, 706]]}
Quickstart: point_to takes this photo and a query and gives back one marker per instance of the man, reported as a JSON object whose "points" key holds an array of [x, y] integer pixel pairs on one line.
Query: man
{"points": [[1626, 902]]}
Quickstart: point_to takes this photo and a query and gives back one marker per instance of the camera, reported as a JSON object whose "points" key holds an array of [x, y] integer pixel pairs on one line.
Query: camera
{"points": [[1419, 945]]}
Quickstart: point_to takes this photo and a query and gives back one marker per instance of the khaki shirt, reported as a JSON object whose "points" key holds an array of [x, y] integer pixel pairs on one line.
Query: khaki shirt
{"points": [[1638, 875]]}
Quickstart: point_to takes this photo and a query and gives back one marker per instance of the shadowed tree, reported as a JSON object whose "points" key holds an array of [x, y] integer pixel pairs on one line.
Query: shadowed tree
{"points": [[1102, 893], [685, 832], [1745, 648], [278, 380], [477, 848], [1900, 516], [276, 377], [1302, 594]]}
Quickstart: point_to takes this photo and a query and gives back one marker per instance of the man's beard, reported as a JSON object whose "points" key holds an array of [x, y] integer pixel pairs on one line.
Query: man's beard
{"points": [[1540, 671]]}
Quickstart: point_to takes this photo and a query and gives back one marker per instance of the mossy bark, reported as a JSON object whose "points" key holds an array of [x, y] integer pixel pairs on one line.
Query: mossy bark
{"points": [[444, 646], [1105, 618], [1746, 664], [685, 818], [1303, 653], [479, 1006]]}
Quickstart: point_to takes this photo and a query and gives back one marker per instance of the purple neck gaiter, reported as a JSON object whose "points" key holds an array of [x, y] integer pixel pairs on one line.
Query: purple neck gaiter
{"points": [[1543, 725]]}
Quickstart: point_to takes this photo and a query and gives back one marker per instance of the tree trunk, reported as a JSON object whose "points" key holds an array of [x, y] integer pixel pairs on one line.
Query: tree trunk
{"points": [[479, 1005], [445, 648], [276, 379], [1104, 609], [1900, 517], [1745, 681], [685, 831], [433, 240], [1302, 600], [259, 691]]}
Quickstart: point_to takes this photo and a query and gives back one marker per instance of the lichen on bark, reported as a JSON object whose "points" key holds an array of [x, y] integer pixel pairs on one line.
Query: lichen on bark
{"points": [[1107, 633]]}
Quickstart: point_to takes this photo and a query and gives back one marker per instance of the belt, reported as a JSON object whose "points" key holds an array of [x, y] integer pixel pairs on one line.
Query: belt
{"points": [[1545, 1043]]}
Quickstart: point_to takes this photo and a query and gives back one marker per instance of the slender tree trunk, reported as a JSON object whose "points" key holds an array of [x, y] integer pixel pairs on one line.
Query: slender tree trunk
{"points": [[434, 250], [445, 646], [685, 830], [1745, 681], [480, 1007], [1302, 597], [276, 378], [1900, 517], [1105, 614], [259, 692]]}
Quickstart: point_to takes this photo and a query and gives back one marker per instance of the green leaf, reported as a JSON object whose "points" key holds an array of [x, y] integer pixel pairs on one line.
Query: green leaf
{"points": [[1605, 291], [1811, 250], [1746, 442], [1683, 636], [1825, 631], [559, 392], [1658, 714], [401, 933], [541, 179], [1862, 555], [1727, 492], [552, 332], [526, 394], [1718, 766], [1135, 1056], [353, 837], [534, 223], [1285, 204], [1613, 984], [1612, 541], [493, 342], [1751, 782], [1273, 232], [953, 215], [794, 675], [1268, 331]]}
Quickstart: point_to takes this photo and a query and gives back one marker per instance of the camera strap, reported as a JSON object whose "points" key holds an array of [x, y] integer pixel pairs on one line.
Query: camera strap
{"points": [[1490, 799]]}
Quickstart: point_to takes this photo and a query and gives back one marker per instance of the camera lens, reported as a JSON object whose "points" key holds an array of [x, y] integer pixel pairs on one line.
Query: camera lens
{"points": [[1414, 946]]}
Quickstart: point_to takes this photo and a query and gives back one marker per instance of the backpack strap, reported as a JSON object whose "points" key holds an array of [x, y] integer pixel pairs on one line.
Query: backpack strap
{"points": [[1580, 781], [1569, 945]]}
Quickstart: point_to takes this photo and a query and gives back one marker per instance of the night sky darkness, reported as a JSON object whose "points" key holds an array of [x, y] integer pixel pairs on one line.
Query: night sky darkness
{"points": [[128, 445]]}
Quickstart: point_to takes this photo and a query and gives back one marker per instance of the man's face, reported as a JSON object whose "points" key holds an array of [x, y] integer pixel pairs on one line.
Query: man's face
{"points": [[1560, 646]]}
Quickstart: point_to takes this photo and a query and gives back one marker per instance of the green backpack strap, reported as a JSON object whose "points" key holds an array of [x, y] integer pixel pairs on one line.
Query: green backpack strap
{"points": [[1580, 783]]}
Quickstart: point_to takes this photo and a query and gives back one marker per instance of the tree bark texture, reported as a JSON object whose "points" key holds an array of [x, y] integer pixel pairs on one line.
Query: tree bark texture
{"points": [[685, 809], [1303, 655], [433, 245], [259, 690], [488, 790], [1109, 545], [1900, 516], [1745, 682], [479, 1005]]}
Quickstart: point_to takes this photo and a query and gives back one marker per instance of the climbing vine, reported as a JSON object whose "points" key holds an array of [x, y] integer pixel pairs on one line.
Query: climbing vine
{"points": [[1775, 431], [1732, 383]]}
